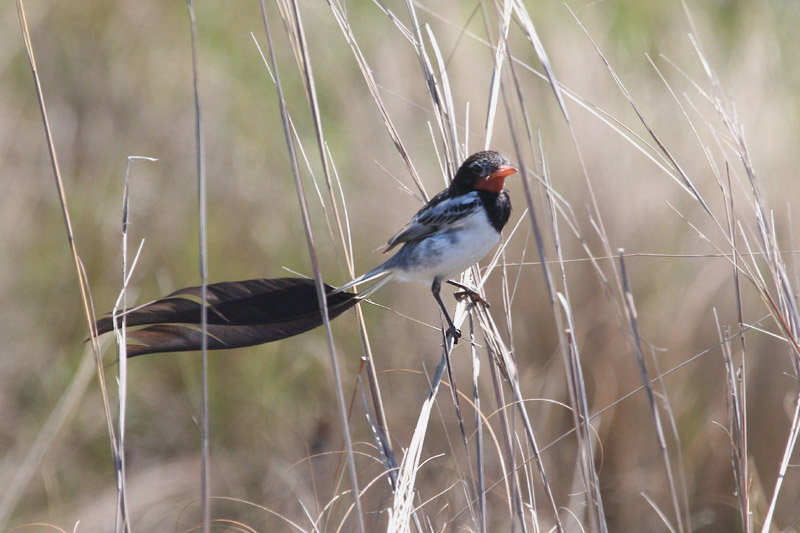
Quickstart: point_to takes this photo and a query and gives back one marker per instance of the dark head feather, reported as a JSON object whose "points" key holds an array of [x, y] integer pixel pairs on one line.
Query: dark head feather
{"points": [[477, 166]]}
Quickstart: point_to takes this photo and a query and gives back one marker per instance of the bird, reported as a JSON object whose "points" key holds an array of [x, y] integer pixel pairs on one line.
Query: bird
{"points": [[454, 230]]}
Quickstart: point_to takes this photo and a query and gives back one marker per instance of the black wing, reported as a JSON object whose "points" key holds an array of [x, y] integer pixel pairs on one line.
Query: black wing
{"points": [[442, 212]]}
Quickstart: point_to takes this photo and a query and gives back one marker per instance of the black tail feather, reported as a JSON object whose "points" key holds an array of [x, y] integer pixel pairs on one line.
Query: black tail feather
{"points": [[239, 313]]}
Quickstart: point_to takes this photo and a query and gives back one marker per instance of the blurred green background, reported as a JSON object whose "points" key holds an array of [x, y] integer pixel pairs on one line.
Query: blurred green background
{"points": [[116, 80]]}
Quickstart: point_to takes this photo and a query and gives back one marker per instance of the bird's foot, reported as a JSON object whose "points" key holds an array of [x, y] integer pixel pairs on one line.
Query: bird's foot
{"points": [[466, 292], [454, 332]]}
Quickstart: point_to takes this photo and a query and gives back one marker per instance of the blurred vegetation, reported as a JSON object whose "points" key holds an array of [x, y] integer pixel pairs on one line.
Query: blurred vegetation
{"points": [[117, 82]]}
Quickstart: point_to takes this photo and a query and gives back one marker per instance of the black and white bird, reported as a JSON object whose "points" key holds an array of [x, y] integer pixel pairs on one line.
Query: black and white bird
{"points": [[454, 230]]}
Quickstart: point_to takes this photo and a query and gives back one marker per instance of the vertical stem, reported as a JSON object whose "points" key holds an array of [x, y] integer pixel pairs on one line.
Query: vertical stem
{"points": [[201, 197], [83, 284], [321, 294]]}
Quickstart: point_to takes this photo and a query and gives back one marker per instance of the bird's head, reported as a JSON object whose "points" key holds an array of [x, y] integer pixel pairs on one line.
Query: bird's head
{"points": [[485, 170]]}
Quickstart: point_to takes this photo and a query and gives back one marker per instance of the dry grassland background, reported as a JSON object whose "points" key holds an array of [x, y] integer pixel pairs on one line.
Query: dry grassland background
{"points": [[117, 81]]}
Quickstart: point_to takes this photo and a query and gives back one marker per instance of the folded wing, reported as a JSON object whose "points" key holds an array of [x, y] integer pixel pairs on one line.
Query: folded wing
{"points": [[438, 215]]}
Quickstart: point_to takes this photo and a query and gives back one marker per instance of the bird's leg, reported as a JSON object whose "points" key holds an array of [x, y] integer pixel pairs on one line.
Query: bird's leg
{"points": [[453, 331], [468, 292]]}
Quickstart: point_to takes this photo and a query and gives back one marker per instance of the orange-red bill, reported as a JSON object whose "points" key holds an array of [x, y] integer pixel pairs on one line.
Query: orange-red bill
{"points": [[494, 182]]}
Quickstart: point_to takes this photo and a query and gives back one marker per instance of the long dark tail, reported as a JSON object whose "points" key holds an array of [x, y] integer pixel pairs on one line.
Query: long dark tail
{"points": [[239, 313]]}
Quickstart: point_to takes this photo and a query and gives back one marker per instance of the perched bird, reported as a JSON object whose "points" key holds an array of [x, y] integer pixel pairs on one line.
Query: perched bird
{"points": [[451, 232], [454, 230]]}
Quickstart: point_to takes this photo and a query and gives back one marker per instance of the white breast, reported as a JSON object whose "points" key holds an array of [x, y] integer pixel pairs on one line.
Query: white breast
{"points": [[447, 253]]}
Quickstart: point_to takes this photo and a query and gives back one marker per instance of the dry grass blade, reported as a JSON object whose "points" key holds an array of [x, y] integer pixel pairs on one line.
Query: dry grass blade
{"points": [[782, 306], [509, 465], [636, 345], [369, 78], [676, 166], [82, 281], [561, 312], [26, 463], [737, 397], [321, 294], [380, 436], [791, 442], [541, 53], [445, 110], [577, 389], [441, 98], [596, 217], [660, 513], [581, 418], [499, 58], [346, 244], [634, 139], [479, 458], [570, 352], [403, 504], [568, 346], [737, 430], [205, 476], [123, 515], [500, 354]]}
